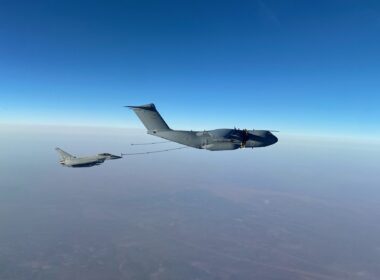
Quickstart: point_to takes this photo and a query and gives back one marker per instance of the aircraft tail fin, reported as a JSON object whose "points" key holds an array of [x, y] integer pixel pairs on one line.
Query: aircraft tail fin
{"points": [[63, 154], [150, 117]]}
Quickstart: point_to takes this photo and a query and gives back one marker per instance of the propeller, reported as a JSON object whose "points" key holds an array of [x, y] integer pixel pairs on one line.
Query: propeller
{"points": [[245, 138]]}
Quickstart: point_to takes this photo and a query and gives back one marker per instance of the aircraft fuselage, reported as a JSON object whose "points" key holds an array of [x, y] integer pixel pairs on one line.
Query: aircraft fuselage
{"points": [[219, 139]]}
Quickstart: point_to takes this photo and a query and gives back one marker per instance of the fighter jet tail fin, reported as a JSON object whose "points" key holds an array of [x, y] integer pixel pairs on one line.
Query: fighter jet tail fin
{"points": [[63, 154], [150, 117]]}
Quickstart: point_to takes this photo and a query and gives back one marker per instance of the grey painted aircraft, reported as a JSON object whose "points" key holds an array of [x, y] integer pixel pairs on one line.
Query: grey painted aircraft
{"points": [[88, 161], [212, 140]]}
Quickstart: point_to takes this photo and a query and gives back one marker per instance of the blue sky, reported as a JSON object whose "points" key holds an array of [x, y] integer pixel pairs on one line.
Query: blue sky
{"points": [[297, 66]]}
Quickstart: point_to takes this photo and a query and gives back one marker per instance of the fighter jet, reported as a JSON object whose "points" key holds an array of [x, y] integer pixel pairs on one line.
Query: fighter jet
{"points": [[212, 140], [88, 161]]}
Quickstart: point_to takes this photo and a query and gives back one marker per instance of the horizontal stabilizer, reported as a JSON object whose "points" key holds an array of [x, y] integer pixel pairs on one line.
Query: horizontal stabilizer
{"points": [[145, 107]]}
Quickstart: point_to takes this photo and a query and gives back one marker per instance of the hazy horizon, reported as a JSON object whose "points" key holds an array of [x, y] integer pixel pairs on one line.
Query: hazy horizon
{"points": [[301, 209]]}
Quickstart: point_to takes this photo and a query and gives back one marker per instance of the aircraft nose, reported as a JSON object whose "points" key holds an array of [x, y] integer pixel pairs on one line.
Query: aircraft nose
{"points": [[115, 157], [274, 139]]}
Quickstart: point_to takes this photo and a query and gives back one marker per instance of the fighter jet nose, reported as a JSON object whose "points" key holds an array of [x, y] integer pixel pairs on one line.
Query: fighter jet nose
{"points": [[115, 157]]}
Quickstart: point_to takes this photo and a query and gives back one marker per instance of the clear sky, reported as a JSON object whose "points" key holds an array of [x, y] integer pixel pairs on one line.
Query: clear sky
{"points": [[297, 66]]}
